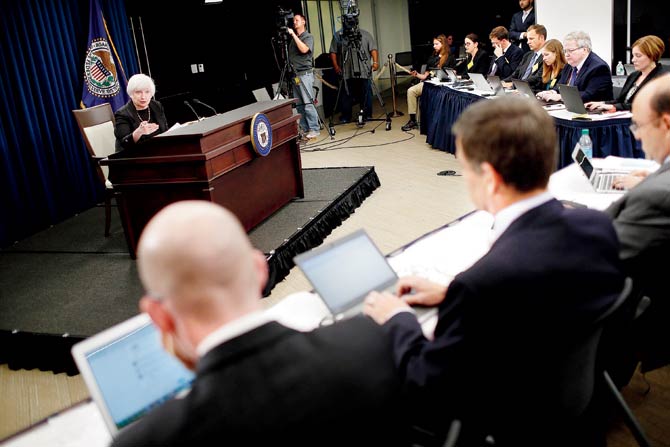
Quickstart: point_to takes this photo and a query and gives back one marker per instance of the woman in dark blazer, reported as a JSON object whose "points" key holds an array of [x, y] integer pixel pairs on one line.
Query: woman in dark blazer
{"points": [[142, 117], [553, 66], [646, 52], [477, 61]]}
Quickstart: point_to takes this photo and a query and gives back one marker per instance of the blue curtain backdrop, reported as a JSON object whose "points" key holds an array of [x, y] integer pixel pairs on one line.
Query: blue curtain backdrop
{"points": [[45, 173]]}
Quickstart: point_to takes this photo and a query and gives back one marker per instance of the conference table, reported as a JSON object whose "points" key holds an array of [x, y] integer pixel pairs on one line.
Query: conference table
{"points": [[467, 236], [441, 105]]}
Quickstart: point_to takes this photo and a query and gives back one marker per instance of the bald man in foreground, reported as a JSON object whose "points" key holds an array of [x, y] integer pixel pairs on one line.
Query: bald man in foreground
{"points": [[257, 382]]}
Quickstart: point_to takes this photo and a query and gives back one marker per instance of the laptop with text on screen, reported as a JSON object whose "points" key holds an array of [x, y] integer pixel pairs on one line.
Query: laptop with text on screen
{"points": [[344, 271], [127, 371], [600, 179]]}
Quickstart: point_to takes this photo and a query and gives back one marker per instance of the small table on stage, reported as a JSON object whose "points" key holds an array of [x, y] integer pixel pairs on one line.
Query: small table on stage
{"points": [[441, 106], [212, 160]]}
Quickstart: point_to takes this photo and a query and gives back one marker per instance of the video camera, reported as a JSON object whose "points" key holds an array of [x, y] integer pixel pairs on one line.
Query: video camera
{"points": [[350, 13], [284, 20]]}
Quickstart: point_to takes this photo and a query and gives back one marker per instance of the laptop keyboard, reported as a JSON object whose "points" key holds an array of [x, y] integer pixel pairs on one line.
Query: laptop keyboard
{"points": [[604, 182]]}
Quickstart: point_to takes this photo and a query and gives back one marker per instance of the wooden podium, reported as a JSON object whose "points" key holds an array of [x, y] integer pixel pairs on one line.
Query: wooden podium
{"points": [[213, 160]]}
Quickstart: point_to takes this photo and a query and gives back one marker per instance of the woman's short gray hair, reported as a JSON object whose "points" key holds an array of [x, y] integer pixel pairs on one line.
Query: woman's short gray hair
{"points": [[140, 82]]}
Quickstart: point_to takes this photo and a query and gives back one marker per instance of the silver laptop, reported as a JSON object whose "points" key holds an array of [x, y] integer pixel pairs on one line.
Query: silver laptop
{"points": [[127, 371], [496, 85], [524, 88], [629, 68], [573, 100], [600, 179], [344, 271], [482, 84]]}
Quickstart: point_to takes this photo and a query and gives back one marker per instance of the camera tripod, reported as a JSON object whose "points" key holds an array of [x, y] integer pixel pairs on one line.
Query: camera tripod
{"points": [[289, 78], [352, 44]]}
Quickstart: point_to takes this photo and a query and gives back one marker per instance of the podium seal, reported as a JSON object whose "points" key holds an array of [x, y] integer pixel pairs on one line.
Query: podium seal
{"points": [[261, 134]]}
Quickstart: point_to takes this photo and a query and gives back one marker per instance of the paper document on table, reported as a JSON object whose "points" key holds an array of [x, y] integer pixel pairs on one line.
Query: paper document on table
{"points": [[302, 311], [614, 162], [81, 425], [444, 254]]}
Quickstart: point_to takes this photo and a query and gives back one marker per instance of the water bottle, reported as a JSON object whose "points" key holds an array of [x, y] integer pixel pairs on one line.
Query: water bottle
{"points": [[586, 144], [619, 69]]}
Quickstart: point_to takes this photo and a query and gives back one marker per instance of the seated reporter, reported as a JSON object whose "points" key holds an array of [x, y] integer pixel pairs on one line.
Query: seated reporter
{"points": [[646, 52], [476, 61], [441, 58], [589, 73], [257, 382], [142, 117], [509, 325], [553, 66]]}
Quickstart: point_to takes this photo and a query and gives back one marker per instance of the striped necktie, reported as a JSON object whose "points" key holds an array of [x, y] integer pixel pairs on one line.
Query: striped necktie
{"points": [[529, 69], [573, 78]]}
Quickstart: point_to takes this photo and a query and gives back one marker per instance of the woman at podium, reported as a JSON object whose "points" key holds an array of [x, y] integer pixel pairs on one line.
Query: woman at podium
{"points": [[142, 117]]}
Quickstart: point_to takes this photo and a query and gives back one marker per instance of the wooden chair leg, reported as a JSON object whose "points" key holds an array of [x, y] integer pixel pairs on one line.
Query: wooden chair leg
{"points": [[108, 213]]}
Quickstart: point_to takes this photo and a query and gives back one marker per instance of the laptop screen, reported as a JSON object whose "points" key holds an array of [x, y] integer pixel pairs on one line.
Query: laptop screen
{"points": [[128, 372], [583, 162], [345, 271]]}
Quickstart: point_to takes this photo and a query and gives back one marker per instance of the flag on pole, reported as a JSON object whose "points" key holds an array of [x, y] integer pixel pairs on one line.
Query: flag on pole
{"points": [[104, 78]]}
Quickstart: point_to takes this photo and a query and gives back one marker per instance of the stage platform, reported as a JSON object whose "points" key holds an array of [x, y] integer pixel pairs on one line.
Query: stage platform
{"points": [[69, 281]]}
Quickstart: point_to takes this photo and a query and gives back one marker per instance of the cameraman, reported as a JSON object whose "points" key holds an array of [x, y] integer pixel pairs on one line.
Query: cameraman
{"points": [[357, 72], [300, 56]]}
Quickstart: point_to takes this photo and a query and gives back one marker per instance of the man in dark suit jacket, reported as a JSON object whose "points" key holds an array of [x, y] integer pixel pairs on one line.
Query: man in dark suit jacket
{"points": [[531, 64], [506, 57], [590, 74], [505, 358], [642, 221], [520, 23], [257, 381]]}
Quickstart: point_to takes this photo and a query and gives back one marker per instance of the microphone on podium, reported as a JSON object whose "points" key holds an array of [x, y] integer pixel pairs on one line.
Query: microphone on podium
{"points": [[192, 110], [197, 101]]}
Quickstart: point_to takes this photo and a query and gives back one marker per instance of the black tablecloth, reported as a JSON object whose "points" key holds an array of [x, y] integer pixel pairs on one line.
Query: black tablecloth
{"points": [[441, 106]]}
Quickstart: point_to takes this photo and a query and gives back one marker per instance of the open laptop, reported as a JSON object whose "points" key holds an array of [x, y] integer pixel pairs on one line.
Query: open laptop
{"points": [[524, 88], [482, 84], [496, 85], [573, 100], [344, 271], [629, 69], [600, 179], [127, 371]]}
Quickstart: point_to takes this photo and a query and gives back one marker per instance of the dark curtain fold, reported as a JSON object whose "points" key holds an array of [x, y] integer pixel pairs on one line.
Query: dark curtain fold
{"points": [[46, 172], [609, 138], [440, 108]]}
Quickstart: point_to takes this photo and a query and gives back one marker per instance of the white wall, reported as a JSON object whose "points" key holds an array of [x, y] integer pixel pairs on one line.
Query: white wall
{"points": [[593, 16], [388, 21]]}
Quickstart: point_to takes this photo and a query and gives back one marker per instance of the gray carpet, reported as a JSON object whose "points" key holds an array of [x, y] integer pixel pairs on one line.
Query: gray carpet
{"points": [[69, 281]]}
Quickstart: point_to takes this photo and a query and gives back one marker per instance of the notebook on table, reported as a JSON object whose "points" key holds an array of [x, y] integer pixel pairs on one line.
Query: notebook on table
{"points": [[344, 271], [600, 179], [127, 371], [573, 100], [524, 88]]}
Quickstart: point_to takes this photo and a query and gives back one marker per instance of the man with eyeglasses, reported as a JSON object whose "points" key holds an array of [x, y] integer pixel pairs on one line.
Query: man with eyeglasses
{"points": [[590, 74], [642, 221]]}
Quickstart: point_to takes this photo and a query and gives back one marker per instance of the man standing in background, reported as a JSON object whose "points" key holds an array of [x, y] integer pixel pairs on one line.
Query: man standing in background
{"points": [[520, 23], [301, 57]]}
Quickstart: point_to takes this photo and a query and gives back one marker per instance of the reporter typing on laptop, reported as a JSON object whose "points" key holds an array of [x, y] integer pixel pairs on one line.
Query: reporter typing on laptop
{"points": [[541, 256], [257, 382], [646, 52]]}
